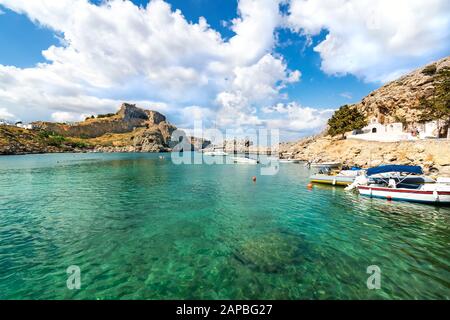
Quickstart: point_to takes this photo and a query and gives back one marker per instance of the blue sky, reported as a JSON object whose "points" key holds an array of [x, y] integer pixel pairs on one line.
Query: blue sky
{"points": [[249, 74]]}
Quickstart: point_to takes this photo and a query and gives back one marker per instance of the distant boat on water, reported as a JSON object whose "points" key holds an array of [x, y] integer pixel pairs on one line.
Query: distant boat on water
{"points": [[244, 160], [288, 161], [215, 152], [324, 164]]}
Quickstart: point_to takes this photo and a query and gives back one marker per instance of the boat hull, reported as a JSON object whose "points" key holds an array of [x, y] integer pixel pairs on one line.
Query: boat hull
{"points": [[244, 160], [288, 161], [420, 196], [215, 154], [326, 165], [332, 180]]}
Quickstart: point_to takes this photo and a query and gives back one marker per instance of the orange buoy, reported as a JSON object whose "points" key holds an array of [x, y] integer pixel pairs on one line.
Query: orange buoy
{"points": [[254, 179], [389, 198], [309, 186]]}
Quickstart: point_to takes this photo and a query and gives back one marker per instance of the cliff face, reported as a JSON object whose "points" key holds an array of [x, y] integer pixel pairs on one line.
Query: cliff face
{"points": [[125, 120], [131, 129], [404, 100]]}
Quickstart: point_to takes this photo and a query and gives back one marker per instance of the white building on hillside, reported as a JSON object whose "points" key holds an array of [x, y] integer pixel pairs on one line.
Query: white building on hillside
{"points": [[393, 132], [376, 131]]}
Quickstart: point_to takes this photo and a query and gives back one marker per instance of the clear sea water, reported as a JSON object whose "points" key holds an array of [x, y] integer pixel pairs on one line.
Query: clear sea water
{"points": [[144, 228]]}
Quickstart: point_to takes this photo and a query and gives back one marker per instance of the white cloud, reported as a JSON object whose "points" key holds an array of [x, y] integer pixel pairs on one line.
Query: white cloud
{"points": [[374, 40], [118, 51], [346, 95], [5, 114], [62, 116], [294, 117], [251, 87]]}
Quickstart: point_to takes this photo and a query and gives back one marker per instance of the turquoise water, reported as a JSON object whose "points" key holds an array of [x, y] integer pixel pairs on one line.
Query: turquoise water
{"points": [[143, 228]]}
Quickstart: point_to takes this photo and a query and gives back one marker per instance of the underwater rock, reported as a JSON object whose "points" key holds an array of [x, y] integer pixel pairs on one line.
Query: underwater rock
{"points": [[271, 253]]}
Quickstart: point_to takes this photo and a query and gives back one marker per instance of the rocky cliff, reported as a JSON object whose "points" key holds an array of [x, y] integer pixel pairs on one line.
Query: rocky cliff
{"points": [[407, 99], [125, 120], [131, 129]]}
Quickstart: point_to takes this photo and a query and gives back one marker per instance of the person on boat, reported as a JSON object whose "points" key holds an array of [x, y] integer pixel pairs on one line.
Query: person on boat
{"points": [[392, 184]]}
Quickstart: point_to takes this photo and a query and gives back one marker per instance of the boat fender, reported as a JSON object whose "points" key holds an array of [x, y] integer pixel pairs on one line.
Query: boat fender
{"points": [[370, 192], [334, 182], [436, 195]]}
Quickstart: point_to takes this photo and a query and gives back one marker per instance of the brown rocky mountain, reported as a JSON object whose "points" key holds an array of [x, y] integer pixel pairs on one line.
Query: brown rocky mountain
{"points": [[131, 129], [407, 100], [128, 118]]}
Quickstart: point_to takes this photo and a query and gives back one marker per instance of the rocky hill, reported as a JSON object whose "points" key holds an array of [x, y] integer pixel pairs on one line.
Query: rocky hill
{"points": [[131, 129], [419, 96], [408, 99], [15, 140]]}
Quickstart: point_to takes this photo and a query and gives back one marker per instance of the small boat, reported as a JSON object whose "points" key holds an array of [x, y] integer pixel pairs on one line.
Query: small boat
{"points": [[431, 193], [288, 161], [325, 165], [215, 152], [341, 178], [244, 160]]}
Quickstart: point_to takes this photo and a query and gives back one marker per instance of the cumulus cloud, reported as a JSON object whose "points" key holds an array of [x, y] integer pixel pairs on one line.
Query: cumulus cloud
{"points": [[118, 51], [5, 114], [374, 40], [251, 87], [296, 118], [62, 116]]}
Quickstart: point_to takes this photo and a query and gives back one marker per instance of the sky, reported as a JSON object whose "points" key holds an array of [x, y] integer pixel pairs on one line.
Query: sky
{"points": [[234, 64]]}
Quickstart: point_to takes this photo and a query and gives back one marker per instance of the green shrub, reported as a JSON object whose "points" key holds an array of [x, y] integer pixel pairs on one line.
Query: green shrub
{"points": [[78, 144], [45, 134], [429, 70], [346, 119], [438, 105], [107, 115], [56, 141]]}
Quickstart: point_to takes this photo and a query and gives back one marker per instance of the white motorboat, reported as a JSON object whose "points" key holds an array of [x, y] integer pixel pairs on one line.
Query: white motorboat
{"points": [[244, 160], [215, 153], [390, 189], [341, 178], [288, 161], [325, 165]]}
